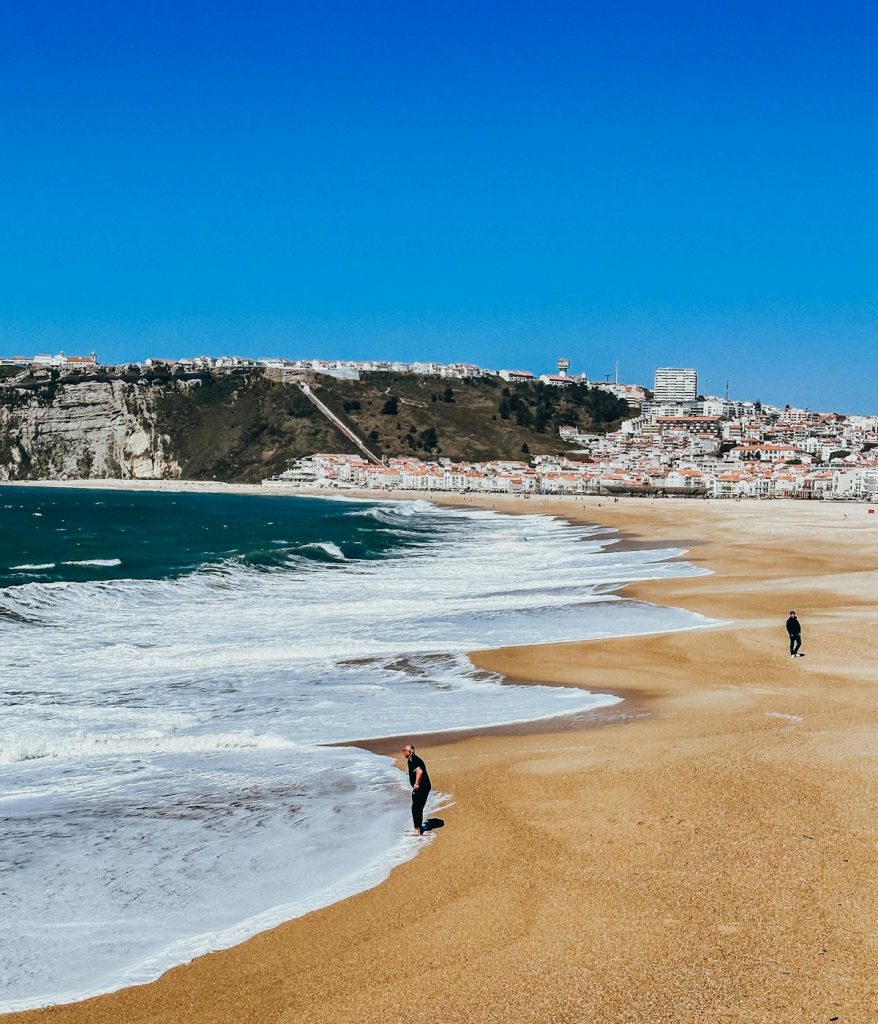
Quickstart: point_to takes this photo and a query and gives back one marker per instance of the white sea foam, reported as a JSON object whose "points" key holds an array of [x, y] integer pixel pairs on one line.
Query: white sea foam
{"points": [[24, 747], [328, 547], [105, 562], [40, 565], [166, 788]]}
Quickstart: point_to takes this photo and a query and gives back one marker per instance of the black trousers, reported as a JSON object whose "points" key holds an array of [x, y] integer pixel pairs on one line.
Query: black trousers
{"points": [[795, 642], [419, 798]]}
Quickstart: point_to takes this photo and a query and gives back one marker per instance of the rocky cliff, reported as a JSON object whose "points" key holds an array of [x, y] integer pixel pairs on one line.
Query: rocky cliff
{"points": [[88, 429]]}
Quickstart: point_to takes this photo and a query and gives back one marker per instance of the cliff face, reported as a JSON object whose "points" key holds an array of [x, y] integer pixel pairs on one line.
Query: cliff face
{"points": [[76, 430]]}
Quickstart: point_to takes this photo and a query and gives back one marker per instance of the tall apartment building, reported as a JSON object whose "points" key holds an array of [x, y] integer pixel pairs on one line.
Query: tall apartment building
{"points": [[675, 385]]}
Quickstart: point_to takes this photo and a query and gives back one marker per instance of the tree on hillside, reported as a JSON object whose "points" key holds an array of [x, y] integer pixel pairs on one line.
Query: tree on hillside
{"points": [[428, 439], [524, 417]]}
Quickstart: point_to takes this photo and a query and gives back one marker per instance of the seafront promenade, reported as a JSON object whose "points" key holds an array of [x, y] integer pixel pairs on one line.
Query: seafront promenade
{"points": [[706, 850]]}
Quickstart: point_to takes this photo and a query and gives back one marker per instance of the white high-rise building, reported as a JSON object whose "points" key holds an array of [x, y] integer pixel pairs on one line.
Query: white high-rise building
{"points": [[673, 384]]}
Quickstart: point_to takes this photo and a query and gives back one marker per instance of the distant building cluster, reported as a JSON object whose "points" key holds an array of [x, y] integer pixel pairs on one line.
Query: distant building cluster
{"points": [[346, 369], [59, 361], [342, 368], [742, 451], [728, 449]]}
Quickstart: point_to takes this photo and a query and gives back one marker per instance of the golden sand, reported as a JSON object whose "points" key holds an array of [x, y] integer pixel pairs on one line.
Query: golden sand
{"points": [[705, 851]]}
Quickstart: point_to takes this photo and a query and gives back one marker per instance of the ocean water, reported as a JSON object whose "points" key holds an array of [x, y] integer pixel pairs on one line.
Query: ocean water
{"points": [[173, 666]]}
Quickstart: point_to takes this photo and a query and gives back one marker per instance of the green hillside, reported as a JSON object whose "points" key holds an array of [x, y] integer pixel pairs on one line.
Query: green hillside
{"points": [[482, 418]]}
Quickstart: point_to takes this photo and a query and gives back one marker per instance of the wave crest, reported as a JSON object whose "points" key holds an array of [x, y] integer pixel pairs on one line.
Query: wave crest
{"points": [[89, 745], [105, 563]]}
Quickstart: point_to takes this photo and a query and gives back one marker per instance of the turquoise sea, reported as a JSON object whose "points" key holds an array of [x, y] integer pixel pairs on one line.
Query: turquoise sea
{"points": [[55, 534]]}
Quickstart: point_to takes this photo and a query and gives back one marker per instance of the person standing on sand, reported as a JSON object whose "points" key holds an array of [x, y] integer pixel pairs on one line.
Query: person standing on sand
{"points": [[794, 628], [420, 783]]}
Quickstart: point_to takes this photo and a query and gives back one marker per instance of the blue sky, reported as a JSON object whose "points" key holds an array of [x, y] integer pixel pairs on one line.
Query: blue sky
{"points": [[504, 183]]}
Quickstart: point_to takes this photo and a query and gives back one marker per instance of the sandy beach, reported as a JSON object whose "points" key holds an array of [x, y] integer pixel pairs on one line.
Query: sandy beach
{"points": [[707, 850]]}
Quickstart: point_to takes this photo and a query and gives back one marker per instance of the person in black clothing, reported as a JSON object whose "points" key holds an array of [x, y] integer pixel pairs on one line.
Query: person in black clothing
{"points": [[420, 783], [794, 628]]}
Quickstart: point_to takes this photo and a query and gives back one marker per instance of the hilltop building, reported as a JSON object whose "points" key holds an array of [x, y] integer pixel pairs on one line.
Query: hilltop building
{"points": [[633, 394], [673, 384], [556, 380], [59, 361]]}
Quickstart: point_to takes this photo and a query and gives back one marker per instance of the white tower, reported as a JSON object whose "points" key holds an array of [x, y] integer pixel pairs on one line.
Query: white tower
{"points": [[563, 367]]}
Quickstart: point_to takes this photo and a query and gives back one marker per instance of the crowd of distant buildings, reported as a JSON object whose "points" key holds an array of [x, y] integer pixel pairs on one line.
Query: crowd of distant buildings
{"points": [[55, 362], [678, 443], [747, 471], [346, 369]]}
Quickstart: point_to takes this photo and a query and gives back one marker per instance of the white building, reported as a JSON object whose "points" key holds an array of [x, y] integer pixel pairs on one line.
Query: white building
{"points": [[633, 394], [229, 362], [59, 361], [855, 483], [516, 376], [673, 384], [276, 362], [556, 380], [713, 406]]}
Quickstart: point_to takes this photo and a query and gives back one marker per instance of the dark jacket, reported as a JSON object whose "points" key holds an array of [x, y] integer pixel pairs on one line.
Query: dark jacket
{"points": [[414, 763], [794, 627]]}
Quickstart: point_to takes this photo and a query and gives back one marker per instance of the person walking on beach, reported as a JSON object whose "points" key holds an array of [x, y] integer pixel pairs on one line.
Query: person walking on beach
{"points": [[420, 783], [794, 628]]}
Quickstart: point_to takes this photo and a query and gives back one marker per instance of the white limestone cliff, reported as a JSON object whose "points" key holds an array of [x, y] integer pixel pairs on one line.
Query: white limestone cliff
{"points": [[85, 430]]}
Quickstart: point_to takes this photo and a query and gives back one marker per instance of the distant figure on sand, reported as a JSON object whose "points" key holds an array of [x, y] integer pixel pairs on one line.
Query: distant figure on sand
{"points": [[420, 783], [794, 628]]}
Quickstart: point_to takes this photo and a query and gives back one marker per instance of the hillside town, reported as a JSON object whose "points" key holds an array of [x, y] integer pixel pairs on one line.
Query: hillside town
{"points": [[675, 442]]}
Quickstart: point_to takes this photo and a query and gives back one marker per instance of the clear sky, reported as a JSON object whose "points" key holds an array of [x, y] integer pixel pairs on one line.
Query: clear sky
{"points": [[504, 183]]}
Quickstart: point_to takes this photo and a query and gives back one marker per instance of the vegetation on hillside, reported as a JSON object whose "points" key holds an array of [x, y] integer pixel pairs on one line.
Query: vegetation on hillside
{"points": [[243, 425], [481, 418]]}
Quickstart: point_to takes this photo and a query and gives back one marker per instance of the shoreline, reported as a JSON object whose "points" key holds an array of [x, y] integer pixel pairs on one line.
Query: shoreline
{"points": [[677, 704], [169, 486], [606, 711]]}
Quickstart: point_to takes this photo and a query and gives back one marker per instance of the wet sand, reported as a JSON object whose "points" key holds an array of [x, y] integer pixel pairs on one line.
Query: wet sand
{"points": [[711, 854]]}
